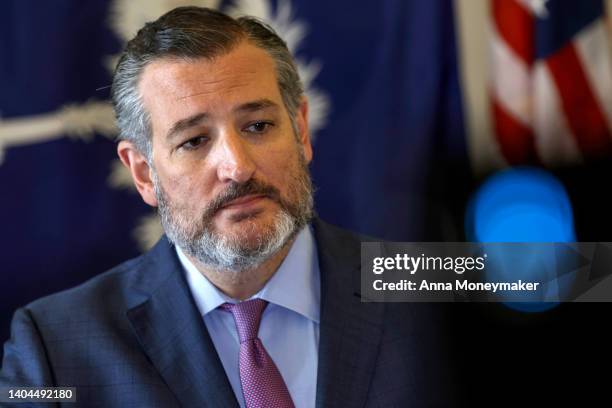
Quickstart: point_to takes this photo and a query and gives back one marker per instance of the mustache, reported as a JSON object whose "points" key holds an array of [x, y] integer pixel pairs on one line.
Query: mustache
{"points": [[238, 190]]}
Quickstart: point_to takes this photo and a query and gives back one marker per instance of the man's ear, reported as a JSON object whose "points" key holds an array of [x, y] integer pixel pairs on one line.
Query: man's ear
{"points": [[137, 164], [302, 128]]}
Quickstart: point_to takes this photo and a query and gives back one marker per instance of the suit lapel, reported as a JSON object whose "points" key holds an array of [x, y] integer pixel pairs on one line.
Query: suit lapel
{"points": [[172, 333], [350, 330]]}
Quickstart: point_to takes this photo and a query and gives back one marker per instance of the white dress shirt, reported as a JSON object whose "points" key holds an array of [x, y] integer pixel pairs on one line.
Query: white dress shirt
{"points": [[289, 328]]}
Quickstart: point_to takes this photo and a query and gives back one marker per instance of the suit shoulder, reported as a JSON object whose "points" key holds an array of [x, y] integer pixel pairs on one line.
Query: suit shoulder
{"points": [[331, 230], [108, 289], [334, 233]]}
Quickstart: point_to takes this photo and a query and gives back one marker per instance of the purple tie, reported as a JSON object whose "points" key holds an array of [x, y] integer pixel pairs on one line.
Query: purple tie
{"points": [[262, 383]]}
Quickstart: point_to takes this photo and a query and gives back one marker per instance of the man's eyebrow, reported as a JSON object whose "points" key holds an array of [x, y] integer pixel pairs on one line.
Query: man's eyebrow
{"points": [[257, 105], [186, 123]]}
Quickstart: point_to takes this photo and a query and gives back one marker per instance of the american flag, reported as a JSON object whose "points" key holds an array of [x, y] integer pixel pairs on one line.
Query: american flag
{"points": [[551, 82]]}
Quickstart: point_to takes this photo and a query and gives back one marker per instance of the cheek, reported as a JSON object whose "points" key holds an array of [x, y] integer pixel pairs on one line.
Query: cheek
{"points": [[188, 190], [281, 167]]}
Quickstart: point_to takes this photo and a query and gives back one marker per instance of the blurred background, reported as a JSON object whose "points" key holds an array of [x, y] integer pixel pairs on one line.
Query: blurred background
{"points": [[414, 104]]}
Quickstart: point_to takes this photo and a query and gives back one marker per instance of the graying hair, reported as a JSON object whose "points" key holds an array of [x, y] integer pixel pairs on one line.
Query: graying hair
{"points": [[192, 33]]}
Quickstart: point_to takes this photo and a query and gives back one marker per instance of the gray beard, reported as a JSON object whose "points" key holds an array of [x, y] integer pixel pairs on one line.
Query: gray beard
{"points": [[222, 253], [199, 239]]}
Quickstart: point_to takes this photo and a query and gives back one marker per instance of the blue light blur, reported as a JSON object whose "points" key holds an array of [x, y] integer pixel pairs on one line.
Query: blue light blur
{"points": [[521, 205]]}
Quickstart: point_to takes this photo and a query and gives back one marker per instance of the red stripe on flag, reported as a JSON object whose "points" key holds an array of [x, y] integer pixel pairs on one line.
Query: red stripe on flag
{"points": [[516, 141], [586, 118], [515, 26]]}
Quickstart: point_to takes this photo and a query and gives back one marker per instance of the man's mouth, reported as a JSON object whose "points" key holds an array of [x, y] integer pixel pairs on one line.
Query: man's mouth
{"points": [[244, 202]]}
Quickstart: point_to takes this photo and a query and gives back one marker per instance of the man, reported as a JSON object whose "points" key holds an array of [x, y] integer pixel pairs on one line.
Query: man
{"points": [[248, 300]]}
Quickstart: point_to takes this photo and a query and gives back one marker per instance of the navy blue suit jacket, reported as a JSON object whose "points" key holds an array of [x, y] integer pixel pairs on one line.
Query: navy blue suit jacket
{"points": [[133, 337]]}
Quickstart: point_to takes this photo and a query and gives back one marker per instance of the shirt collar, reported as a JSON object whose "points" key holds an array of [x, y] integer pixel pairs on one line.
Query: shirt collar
{"points": [[295, 285]]}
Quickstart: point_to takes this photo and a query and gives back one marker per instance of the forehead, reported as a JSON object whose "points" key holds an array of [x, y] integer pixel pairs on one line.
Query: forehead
{"points": [[175, 88]]}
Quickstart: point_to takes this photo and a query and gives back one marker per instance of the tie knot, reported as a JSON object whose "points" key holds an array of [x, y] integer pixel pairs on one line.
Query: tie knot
{"points": [[247, 316]]}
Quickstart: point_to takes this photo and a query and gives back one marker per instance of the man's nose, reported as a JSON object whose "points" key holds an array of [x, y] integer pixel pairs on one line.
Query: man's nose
{"points": [[235, 161]]}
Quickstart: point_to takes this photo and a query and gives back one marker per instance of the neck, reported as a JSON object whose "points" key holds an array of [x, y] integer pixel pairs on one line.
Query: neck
{"points": [[244, 284]]}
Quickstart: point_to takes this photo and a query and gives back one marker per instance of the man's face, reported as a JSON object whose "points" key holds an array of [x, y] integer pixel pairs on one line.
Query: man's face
{"points": [[229, 172]]}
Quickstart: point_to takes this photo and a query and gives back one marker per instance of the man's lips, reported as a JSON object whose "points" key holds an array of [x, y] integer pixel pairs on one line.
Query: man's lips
{"points": [[244, 201]]}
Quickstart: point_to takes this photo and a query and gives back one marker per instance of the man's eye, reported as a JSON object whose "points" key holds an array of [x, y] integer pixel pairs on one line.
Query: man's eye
{"points": [[258, 127], [194, 143]]}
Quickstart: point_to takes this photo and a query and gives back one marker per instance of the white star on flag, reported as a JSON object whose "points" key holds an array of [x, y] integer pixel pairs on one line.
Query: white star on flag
{"points": [[537, 7]]}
